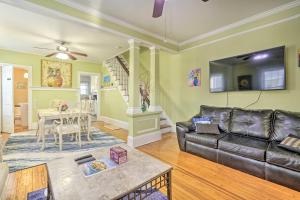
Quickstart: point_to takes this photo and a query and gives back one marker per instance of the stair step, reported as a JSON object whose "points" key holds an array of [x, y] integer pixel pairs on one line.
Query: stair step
{"points": [[165, 126], [162, 119]]}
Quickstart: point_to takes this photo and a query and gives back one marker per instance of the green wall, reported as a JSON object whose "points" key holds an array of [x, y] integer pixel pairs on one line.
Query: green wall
{"points": [[42, 98], [112, 103], [181, 102]]}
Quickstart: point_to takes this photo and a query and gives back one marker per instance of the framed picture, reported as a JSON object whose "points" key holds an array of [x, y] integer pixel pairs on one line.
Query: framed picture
{"points": [[194, 78], [56, 74], [245, 82], [106, 82]]}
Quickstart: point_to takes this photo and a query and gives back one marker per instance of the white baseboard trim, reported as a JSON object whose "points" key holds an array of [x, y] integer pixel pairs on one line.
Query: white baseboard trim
{"points": [[143, 139], [115, 122]]}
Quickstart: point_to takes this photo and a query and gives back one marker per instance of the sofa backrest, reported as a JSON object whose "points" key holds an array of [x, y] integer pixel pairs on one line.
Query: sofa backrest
{"points": [[285, 123], [219, 116], [255, 123]]}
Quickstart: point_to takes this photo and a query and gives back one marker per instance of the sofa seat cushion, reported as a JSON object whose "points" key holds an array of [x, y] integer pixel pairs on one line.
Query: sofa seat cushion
{"points": [[282, 157], [285, 124], [244, 146], [205, 139], [220, 116], [255, 123]]}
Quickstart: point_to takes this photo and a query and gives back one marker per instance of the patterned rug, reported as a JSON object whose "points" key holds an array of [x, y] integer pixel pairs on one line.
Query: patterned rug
{"points": [[22, 151]]}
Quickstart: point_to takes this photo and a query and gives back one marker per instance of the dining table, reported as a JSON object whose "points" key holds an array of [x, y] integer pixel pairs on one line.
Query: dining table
{"points": [[50, 114]]}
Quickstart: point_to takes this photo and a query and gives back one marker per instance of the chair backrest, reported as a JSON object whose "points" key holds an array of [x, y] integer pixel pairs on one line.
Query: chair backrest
{"points": [[87, 105], [69, 117]]}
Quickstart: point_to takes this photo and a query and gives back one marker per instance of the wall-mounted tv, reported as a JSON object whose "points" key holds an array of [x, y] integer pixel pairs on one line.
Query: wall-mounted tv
{"points": [[261, 70]]}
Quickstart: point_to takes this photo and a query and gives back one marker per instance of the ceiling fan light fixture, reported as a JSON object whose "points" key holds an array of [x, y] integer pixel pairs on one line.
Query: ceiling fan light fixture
{"points": [[62, 56]]}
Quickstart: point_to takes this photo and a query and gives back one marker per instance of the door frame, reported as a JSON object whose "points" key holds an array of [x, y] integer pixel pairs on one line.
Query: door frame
{"points": [[98, 88], [29, 90]]}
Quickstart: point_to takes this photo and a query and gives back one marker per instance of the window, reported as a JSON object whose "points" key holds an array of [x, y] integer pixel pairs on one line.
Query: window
{"points": [[273, 79], [217, 83], [84, 88]]}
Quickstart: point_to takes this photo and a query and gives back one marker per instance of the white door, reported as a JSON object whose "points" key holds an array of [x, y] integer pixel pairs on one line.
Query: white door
{"points": [[7, 99]]}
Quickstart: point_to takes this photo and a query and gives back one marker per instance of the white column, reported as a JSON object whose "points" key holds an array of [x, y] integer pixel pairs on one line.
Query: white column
{"points": [[134, 67], [154, 79]]}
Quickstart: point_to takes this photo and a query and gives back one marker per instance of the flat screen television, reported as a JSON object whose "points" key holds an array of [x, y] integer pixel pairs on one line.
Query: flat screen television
{"points": [[261, 70]]}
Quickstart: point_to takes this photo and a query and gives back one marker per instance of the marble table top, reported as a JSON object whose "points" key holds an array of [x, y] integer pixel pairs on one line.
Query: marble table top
{"points": [[67, 181]]}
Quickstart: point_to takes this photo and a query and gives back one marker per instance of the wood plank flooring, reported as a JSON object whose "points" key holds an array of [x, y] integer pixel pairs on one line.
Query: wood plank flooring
{"points": [[193, 177]]}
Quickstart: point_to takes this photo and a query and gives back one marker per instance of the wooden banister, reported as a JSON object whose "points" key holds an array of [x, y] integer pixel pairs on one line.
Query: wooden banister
{"points": [[123, 65]]}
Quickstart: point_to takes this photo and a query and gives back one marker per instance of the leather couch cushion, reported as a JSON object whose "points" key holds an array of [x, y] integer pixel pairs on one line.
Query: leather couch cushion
{"points": [[244, 146], [285, 123], [220, 116], [256, 123], [282, 157], [208, 140]]}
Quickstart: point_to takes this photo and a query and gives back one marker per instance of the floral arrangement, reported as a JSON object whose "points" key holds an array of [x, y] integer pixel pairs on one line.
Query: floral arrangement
{"points": [[64, 107]]}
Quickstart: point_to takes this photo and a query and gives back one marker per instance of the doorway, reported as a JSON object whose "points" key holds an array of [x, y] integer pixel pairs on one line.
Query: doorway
{"points": [[16, 98], [89, 92], [20, 90]]}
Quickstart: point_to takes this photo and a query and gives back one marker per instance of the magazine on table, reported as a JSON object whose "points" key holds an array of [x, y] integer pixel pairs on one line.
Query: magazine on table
{"points": [[97, 166]]}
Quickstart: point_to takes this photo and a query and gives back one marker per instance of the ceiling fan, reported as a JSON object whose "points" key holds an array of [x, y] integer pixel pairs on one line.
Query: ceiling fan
{"points": [[159, 6], [63, 52]]}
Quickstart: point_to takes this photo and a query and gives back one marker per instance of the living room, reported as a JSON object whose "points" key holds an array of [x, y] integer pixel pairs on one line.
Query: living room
{"points": [[154, 64]]}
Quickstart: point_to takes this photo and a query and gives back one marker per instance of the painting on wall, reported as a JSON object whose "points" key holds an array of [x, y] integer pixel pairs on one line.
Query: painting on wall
{"points": [[56, 74], [194, 78], [106, 82], [245, 82]]}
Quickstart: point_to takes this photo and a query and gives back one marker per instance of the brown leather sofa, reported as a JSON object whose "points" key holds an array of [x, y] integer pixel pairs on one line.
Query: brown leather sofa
{"points": [[248, 142]]}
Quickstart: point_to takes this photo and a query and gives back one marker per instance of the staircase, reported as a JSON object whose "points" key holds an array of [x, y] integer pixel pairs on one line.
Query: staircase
{"points": [[119, 72]]}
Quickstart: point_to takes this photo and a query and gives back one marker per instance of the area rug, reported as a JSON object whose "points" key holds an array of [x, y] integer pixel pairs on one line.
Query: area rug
{"points": [[22, 151]]}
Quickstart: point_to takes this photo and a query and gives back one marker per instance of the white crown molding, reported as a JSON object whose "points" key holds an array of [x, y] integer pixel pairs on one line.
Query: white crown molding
{"points": [[115, 20], [243, 22], [243, 32]]}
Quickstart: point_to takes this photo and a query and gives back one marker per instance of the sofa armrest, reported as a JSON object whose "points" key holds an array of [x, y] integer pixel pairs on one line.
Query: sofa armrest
{"points": [[181, 129]]}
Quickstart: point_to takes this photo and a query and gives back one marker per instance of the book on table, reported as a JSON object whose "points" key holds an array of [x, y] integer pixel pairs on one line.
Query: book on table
{"points": [[97, 166]]}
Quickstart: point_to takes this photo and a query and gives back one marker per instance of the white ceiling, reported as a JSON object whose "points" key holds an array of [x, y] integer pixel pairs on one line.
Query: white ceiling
{"points": [[185, 18], [22, 30]]}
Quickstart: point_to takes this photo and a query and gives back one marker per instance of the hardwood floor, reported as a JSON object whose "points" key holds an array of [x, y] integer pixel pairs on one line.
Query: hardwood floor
{"points": [[193, 177]]}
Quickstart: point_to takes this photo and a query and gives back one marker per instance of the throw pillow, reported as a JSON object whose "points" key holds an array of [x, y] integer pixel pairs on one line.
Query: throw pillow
{"points": [[202, 120], [291, 143], [207, 128]]}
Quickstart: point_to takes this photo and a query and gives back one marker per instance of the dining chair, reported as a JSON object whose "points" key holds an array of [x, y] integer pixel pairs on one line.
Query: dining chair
{"points": [[48, 128], [68, 124]]}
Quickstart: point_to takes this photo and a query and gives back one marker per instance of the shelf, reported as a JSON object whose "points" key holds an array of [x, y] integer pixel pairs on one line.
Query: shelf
{"points": [[54, 89]]}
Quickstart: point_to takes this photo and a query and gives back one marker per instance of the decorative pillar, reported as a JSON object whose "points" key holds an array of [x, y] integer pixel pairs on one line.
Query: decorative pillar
{"points": [[134, 66], [154, 79]]}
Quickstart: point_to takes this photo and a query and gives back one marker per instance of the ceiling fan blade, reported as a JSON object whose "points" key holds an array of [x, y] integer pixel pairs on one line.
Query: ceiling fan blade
{"points": [[51, 54], [44, 48], [80, 54], [158, 8], [71, 56]]}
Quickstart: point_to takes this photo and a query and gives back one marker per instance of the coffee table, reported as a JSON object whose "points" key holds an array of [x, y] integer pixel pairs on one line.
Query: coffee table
{"points": [[138, 178]]}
